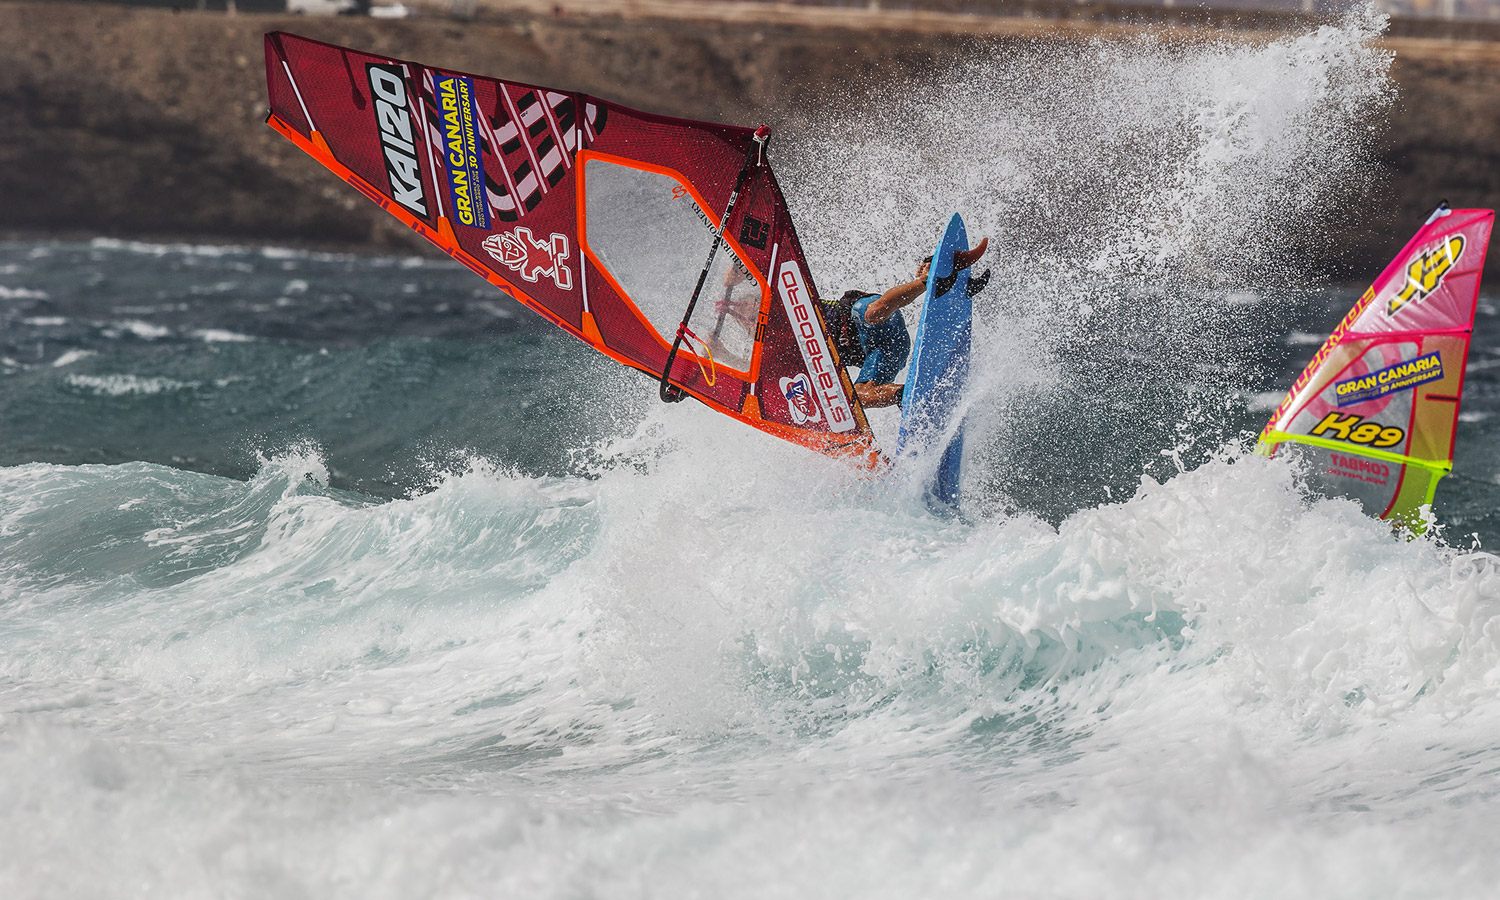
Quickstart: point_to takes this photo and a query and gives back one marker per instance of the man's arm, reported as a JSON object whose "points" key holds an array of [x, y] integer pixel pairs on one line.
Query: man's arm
{"points": [[873, 396], [885, 306]]}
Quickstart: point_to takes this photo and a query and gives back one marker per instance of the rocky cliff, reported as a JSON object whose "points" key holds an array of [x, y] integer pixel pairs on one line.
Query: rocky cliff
{"points": [[148, 122]]}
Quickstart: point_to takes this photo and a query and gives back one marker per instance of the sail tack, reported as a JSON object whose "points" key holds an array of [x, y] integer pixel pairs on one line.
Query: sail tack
{"points": [[1375, 411], [597, 216]]}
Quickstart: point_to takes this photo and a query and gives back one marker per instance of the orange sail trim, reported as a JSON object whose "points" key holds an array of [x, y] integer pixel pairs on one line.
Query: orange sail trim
{"points": [[858, 449]]}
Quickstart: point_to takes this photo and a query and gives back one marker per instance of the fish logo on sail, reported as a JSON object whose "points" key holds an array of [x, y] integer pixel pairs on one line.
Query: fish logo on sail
{"points": [[1426, 272], [799, 399], [518, 251]]}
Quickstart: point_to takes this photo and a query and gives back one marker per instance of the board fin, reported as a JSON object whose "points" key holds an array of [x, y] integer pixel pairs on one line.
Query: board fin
{"points": [[978, 283]]}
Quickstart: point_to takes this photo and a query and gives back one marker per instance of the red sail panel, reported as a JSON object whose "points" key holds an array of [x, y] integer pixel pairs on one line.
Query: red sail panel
{"points": [[597, 216]]}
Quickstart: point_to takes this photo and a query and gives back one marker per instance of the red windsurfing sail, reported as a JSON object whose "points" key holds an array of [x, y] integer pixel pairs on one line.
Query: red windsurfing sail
{"points": [[1376, 410], [597, 216]]}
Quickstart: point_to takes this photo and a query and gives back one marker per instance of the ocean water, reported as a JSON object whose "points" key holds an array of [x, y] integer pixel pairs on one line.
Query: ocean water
{"points": [[333, 576]]}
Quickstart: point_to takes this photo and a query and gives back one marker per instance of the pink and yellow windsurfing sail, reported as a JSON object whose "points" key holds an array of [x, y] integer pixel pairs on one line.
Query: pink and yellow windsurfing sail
{"points": [[1374, 413], [599, 217]]}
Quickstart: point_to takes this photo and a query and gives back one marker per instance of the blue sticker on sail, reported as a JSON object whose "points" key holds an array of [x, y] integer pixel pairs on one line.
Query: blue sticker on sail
{"points": [[455, 99], [1400, 377]]}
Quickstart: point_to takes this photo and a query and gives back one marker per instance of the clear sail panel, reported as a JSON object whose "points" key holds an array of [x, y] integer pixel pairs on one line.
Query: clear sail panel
{"points": [[647, 230]]}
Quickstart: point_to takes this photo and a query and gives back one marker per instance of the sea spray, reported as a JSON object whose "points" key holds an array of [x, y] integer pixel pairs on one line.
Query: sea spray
{"points": [[1151, 204]]}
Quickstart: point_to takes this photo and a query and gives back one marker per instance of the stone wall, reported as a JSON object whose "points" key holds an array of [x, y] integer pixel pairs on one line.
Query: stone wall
{"points": [[150, 123]]}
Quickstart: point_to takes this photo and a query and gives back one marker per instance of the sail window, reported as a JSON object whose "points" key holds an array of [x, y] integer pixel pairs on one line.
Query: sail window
{"points": [[650, 232]]}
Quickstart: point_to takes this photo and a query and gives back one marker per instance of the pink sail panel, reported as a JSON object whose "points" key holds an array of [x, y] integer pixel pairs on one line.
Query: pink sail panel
{"points": [[1432, 284], [1377, 407], [597, 216]]}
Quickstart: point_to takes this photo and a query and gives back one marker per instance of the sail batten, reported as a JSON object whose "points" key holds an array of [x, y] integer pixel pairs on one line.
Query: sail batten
{"points": [[1376, 410]]}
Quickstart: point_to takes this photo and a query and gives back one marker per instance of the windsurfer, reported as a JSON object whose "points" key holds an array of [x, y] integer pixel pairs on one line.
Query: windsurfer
{"points": [[869, 331]]}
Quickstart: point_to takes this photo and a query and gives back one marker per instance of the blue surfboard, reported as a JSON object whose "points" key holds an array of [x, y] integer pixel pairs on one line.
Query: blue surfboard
{"points": [[939, 373]]}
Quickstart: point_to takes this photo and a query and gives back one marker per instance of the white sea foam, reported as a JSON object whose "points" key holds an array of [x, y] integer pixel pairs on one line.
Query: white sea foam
{"points": [[122, 385], [10, 293], [694, 679], [72, 356], [1305, 339], [221, 336], [1128, 188], [217, 287], [1264, 401], [147, 248], [289, 254], [146, 331]]}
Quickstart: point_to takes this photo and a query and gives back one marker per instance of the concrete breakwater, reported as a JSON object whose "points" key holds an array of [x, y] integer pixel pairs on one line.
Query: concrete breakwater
{"points": [[137, 122]]}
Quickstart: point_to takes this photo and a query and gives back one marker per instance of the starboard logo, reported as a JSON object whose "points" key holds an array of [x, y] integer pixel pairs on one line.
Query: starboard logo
{"points": [[799, 399], [808, 329], [518, 251], [393, 115], [1426, 272]]}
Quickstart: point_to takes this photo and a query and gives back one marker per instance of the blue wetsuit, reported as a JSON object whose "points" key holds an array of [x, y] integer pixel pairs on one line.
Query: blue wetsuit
{"points": [[886, 345]]}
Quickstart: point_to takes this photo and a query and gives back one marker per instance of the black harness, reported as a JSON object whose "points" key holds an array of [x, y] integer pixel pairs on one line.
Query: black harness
{"points": [[843, 331]]}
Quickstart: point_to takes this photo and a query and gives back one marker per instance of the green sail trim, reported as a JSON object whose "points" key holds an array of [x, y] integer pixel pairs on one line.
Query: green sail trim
{"points": [[1405, 511]]}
